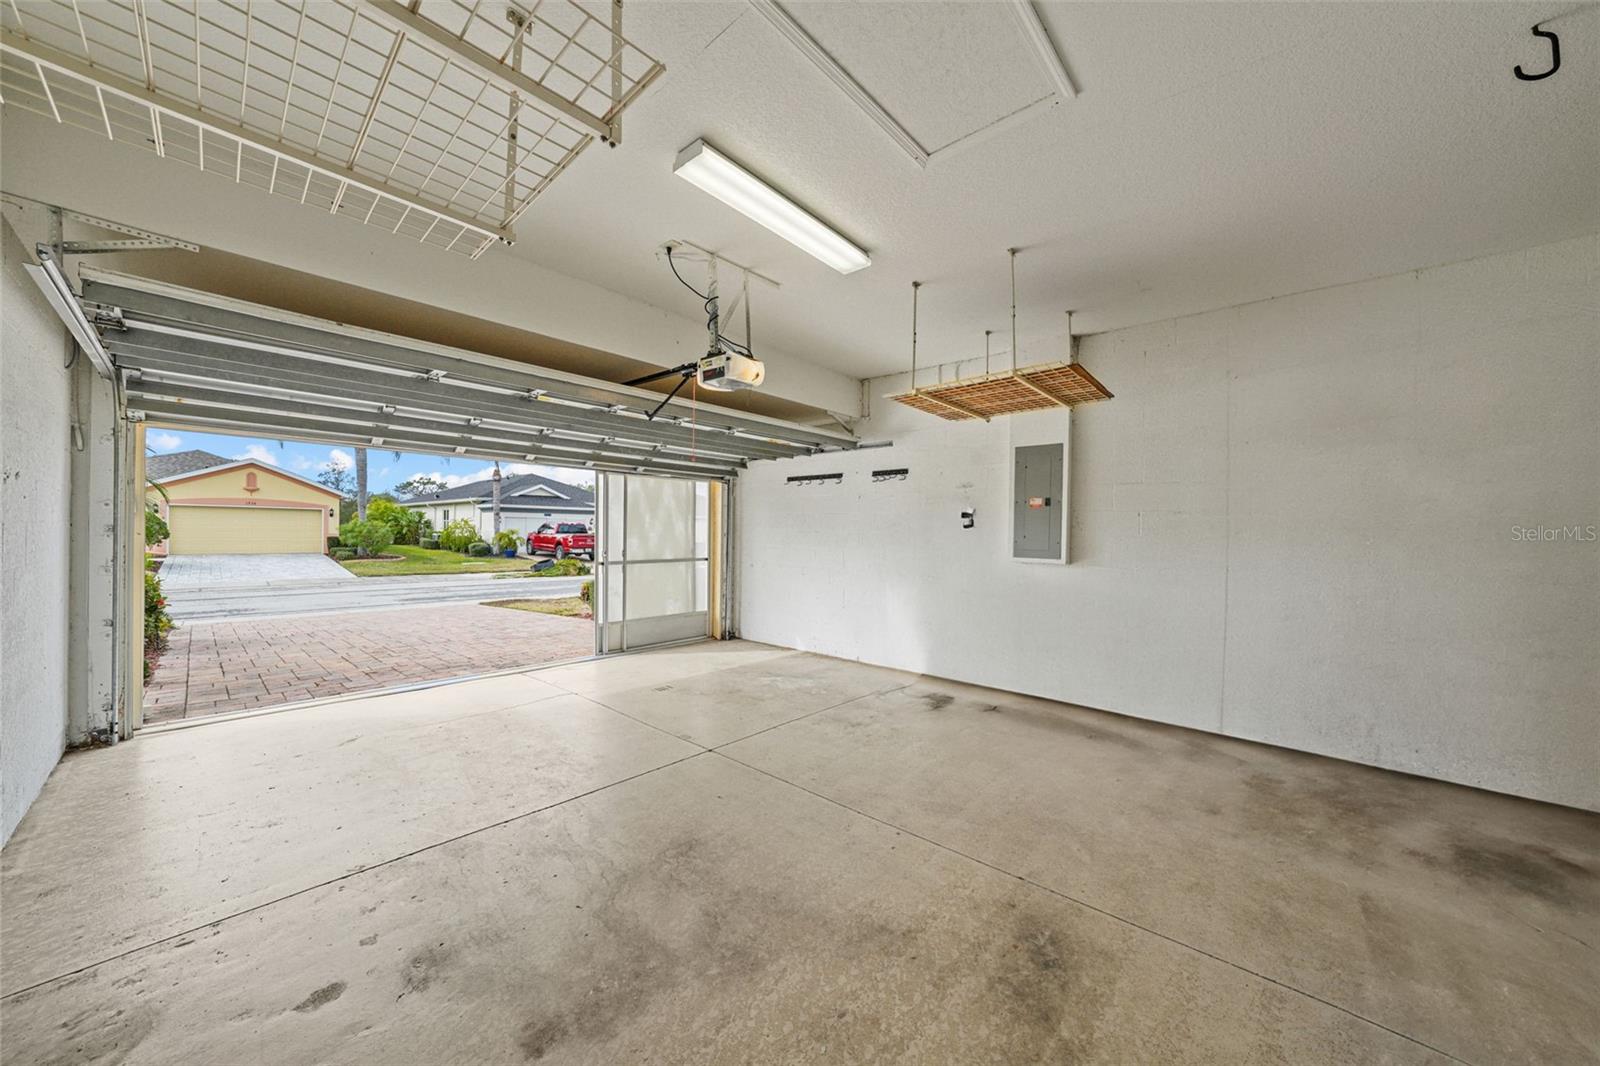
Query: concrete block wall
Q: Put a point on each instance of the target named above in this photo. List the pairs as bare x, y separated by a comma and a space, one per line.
35, 457
1358, 521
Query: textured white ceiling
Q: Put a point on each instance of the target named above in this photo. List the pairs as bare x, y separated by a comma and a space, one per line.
1216, 154
952, 68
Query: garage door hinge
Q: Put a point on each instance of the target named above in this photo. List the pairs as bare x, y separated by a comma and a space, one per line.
104, 316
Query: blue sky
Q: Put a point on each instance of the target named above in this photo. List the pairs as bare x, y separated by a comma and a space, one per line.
384, 468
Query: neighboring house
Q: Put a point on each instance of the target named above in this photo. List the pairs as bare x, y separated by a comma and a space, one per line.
527, 501
237, 507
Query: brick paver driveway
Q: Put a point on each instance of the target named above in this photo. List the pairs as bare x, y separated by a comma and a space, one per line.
212, 667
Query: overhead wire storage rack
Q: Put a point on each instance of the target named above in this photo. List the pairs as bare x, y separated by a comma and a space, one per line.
1003, 392
439, 120
1008, 392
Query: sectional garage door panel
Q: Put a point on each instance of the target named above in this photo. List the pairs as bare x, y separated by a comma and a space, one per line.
193, 359
245, 530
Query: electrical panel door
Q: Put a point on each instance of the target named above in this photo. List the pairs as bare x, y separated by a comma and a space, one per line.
1037, 506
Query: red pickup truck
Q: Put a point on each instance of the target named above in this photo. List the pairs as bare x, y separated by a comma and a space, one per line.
561, 540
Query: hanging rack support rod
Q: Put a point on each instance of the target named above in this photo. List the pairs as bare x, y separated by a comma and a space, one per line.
915, 285
1012, 252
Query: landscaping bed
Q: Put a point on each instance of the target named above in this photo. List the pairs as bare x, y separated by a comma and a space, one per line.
567, 607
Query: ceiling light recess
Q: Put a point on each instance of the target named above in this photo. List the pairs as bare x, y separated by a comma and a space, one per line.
712, 172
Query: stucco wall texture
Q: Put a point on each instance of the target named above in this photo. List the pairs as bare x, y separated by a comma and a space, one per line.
35, 455
1359, 521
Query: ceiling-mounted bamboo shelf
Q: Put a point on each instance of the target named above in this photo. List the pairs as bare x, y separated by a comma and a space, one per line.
1007, 392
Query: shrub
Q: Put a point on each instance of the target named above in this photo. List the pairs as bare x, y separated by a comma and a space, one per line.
586, 594
333, 542
155, 527
479, 548
368, 538
457, 535
405, 525
431, 543
343, 554
571, 566
505, 540
157, 623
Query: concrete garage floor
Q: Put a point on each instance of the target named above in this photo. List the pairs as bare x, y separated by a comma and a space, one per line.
734, 853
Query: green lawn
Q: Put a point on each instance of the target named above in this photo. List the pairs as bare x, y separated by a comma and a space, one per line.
571, 607
431, 561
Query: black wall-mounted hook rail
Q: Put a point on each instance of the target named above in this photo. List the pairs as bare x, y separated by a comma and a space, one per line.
1555, 57
815, 479
897, 474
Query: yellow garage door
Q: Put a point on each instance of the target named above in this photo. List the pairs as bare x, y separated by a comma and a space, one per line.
245, 530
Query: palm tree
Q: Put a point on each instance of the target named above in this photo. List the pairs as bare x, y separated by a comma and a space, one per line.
496, 497
361, 484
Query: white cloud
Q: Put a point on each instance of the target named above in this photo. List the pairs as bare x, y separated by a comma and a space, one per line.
338, 457
162, 441
557, 473
259, 454
300, 462
450, 481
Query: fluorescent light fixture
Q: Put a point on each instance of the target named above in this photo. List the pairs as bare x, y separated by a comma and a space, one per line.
741, 190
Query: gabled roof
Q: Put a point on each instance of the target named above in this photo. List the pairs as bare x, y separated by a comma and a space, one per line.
230, 464
526, 486
161, 467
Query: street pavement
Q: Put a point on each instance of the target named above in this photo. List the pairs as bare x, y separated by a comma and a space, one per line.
198, 603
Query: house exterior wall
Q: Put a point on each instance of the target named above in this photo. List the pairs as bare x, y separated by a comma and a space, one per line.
435, 513
36, 452
520, 522
225, 488
1358, 521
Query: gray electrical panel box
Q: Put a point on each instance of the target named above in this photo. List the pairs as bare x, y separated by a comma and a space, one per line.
1036, 503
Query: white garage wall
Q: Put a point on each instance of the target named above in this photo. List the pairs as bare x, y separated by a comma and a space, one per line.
35, 421
1309, 521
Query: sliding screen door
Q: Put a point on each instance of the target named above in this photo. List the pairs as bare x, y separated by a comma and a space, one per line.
654, 561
